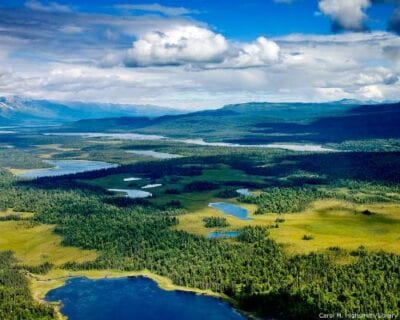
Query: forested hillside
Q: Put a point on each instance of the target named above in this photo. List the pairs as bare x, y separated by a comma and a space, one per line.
257, 123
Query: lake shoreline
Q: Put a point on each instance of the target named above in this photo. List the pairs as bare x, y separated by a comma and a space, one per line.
42, 284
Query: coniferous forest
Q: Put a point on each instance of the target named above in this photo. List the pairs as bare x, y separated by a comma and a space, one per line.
254, 269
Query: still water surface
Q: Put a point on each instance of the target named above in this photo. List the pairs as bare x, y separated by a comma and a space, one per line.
231, 209
136, 298
62, 167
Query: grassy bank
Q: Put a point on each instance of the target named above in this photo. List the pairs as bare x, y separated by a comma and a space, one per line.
35, 244
330, 223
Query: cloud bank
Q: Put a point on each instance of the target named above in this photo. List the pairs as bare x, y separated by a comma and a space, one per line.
174, 60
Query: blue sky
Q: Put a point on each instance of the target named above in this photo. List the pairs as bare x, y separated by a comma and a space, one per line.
241, 19
200, 54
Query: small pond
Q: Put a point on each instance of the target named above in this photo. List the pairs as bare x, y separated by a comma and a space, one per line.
231, 209
222, 234
244, 192
133, 194
151, 186
132, 179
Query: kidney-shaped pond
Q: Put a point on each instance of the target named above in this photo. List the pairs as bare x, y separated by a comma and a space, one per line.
135, 298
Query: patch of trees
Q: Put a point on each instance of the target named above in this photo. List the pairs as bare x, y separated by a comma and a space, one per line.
215, 222
227, 193
16, 302
172, 191
199, 186
252, 234
38, 269
11, 217
283, 200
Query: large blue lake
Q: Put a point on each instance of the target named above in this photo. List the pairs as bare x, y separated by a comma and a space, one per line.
62, 167
136, 298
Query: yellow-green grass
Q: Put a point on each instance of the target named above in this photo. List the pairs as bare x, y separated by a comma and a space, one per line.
331, 223
193, 222
36, 244
16, 171
335, 223
7, 212
50, 150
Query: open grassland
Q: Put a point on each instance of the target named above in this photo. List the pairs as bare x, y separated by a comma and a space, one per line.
334, 223
330, 223
36, 244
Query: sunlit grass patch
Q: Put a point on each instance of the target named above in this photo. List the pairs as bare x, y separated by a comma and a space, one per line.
327, 223
35, 244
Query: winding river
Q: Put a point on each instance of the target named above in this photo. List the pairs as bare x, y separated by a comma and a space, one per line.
200, 142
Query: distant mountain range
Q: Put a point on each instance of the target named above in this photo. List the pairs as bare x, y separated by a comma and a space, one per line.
20, 111
250, 123
258, 123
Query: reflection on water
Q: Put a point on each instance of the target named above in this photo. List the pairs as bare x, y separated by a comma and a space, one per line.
132, 179
244, 192
199, 141
151, 186
135, 298
154, 154
133, 194
63, 167
222, 234
231, 209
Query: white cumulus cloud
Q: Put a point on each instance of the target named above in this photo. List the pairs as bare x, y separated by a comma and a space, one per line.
177, 46
258, 53
200, 47
346, 14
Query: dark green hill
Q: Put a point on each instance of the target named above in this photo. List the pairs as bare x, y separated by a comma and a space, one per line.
229, 122
255, 123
